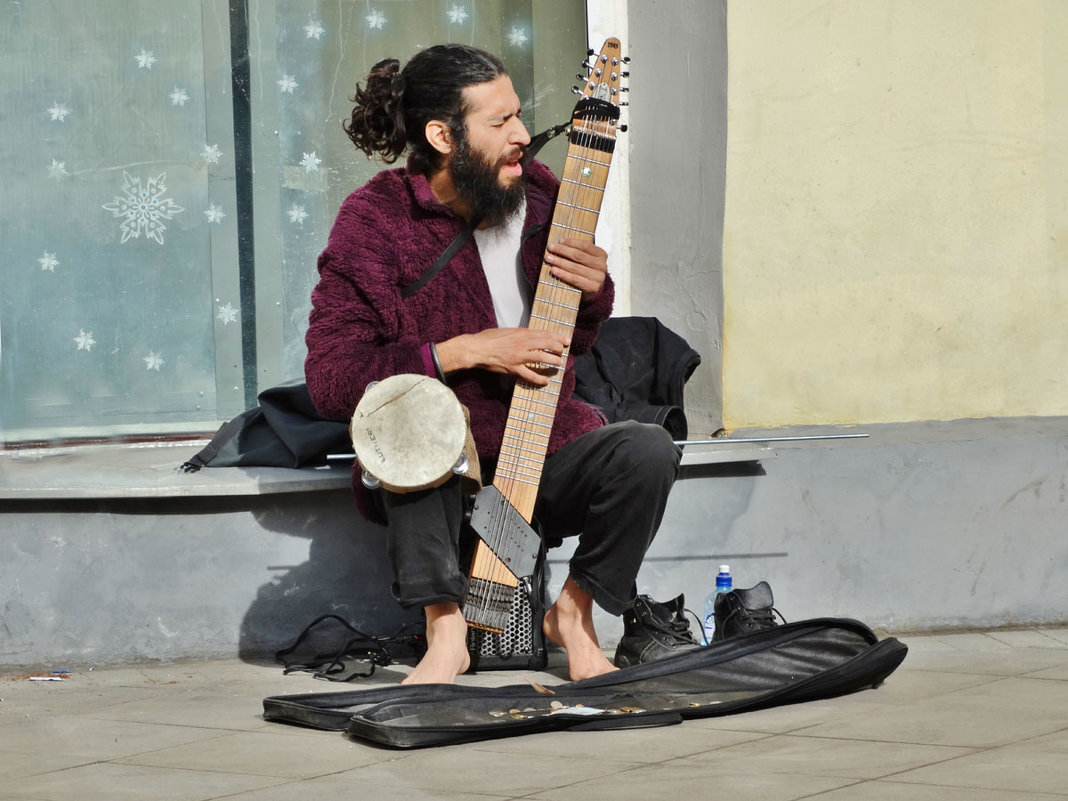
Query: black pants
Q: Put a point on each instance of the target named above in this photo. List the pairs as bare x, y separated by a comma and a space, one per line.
609, 488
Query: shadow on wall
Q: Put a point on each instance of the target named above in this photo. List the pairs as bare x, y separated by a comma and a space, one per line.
347, 574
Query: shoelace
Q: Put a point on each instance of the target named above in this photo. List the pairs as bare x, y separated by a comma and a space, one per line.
672, 626
680, 630
756, 619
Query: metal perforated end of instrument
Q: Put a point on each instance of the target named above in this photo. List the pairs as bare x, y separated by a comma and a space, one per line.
488, 604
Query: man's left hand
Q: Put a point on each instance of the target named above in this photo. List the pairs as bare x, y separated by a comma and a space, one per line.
580, 263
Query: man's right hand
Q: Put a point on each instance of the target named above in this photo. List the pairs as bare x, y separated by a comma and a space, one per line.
530, 355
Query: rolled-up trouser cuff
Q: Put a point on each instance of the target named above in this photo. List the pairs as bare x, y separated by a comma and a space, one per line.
424, 544
609, 602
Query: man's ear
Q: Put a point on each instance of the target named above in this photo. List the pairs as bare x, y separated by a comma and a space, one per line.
439, 137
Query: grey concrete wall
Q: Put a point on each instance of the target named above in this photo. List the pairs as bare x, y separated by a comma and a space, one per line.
917, 527
94, 582
678, 151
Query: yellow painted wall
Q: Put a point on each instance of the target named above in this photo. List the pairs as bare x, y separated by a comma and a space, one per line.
896, 223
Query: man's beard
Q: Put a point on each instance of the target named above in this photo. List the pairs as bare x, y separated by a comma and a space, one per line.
477, 183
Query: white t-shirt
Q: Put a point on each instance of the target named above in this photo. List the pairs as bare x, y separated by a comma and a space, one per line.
498, 247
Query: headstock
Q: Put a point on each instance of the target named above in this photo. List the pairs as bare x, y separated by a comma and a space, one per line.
601, 91
605, 72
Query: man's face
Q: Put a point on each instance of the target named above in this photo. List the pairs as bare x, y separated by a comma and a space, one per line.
485, 164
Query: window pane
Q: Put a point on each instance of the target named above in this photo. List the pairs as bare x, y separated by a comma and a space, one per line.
113, 196
122, 253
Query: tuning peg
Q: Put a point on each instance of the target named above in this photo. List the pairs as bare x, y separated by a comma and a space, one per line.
625, 74
591, 52
626, 59
575, 90
622, 129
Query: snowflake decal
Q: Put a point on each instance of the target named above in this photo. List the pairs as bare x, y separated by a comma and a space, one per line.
84, 340
214, 213
376, 20
143, 208
457, 15
211, 154
314, 29
153, 361
59, 112
517, 37
287, 83
57, 170
48, 262
145, 59
297, 214
227, 313
178, 96
310, 162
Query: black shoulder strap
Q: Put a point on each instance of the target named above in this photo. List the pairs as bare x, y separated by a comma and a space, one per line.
535, 145
442, 260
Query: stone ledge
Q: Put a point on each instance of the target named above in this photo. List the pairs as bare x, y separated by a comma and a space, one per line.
146, 471
152, 470
124, 470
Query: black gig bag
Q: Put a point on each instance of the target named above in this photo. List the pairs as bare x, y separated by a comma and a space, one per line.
802, 661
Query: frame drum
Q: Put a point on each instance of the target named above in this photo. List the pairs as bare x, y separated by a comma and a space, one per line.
409, 433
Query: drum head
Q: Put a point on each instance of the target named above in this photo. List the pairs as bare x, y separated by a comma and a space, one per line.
408, 431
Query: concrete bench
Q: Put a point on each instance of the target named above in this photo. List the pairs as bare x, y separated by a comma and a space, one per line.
110, 554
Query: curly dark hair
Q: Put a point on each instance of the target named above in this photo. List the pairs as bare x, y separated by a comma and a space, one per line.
394, 105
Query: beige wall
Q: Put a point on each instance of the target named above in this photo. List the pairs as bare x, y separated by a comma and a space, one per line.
895, 243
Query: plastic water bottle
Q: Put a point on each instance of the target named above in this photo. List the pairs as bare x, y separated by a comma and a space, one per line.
723, 584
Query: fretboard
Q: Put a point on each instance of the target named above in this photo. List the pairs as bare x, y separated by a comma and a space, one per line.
555, 308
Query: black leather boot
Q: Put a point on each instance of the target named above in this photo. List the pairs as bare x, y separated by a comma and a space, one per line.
744, 611
653, 630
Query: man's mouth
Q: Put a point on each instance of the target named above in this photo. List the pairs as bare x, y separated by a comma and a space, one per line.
512, 164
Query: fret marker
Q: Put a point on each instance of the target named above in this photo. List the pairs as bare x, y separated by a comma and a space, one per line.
586, 172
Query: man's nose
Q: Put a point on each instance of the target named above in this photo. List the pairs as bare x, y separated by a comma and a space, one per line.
519, 135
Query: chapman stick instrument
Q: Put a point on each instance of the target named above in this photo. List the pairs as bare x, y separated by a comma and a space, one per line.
507, 550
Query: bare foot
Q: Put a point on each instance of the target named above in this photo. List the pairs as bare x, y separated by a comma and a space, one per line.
569, 624
446, 655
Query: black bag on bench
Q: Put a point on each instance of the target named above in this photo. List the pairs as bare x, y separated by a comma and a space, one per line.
283, 430
802, 661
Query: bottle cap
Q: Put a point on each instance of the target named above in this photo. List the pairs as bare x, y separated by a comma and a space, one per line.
724, 568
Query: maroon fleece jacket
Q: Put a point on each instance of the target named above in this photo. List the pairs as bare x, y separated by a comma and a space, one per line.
386, 235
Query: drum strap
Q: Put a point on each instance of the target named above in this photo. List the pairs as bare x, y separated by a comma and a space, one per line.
461, 238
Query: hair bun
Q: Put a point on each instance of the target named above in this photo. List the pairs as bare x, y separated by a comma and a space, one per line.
377, 121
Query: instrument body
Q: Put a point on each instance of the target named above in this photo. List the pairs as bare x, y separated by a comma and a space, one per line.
555, 308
